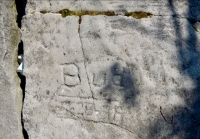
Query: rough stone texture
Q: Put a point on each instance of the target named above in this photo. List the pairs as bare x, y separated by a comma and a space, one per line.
10, 91
111, 76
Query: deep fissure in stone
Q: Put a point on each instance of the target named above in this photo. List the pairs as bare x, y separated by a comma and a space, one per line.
67, 12
20, 6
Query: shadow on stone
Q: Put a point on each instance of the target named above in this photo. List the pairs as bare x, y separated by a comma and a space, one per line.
186, 123
121, 85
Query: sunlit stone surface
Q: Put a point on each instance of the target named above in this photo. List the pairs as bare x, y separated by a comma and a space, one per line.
10, 91
111, 76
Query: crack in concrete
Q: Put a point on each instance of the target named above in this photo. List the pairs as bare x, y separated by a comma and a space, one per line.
84, 59
67, 12
134, 14
101, 122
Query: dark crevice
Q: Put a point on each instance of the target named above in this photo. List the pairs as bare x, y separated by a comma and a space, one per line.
21, 5
23, 85
66, 12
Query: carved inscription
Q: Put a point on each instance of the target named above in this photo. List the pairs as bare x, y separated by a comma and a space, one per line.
67, 103
82, 108
116, 115
71, 75
101, 79
85, 108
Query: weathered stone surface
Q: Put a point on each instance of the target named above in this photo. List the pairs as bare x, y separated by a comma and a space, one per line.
49, 83
10, 91
182, 8
111, 76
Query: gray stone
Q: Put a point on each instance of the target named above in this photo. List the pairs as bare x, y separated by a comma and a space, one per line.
111, 76
125, 77
10, 91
